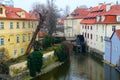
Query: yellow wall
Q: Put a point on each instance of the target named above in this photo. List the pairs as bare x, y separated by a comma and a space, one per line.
3, 14
10, 36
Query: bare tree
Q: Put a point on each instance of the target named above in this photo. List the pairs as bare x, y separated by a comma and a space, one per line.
66, 11
51, 16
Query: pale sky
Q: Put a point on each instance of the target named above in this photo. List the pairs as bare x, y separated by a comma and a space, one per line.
27, 4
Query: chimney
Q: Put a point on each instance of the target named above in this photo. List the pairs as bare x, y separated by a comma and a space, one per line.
116, 2
100, 3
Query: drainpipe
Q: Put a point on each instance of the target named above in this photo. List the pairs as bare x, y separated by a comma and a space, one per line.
106, 30
110, 51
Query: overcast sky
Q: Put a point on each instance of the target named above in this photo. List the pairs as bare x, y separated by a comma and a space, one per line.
26, 4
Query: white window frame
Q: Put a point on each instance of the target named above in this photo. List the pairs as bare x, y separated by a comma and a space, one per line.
17, 25
22, 50
1, 25
11, 25
15, 52
1, 41
18, 39
23, 38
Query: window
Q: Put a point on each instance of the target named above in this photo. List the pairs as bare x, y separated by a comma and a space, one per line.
1, 41
97, 27
96, 37
85, 34
28, 37
23, 38
32, 24
118, 18
11, 25
102, 18
91, 36
116, 48
91, 27
1, 11
83, 26
18, 39
1, 25
23, 24
88, 27
101, 38
103, 28
15, 52
28, 24
17, 24
22, 50
88, 35
113, 28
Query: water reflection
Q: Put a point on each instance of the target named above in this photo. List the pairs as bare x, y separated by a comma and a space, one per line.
81, 68
111, 73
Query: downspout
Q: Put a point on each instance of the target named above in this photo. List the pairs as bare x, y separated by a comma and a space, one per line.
110, 51
106, 30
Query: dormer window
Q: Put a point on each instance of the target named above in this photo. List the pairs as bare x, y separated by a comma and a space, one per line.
1, 11
118, 18
98, 19
102, 18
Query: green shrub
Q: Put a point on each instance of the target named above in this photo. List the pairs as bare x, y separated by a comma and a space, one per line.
4, 68
61, 53
35, 62
58, 39
48, 41
37, 46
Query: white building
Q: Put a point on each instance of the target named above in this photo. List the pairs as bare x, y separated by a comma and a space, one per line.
99, 24
72, 22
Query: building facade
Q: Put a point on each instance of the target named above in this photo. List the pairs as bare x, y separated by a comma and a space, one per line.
72, 22
16, 30
59, 28
99, 24
112, 48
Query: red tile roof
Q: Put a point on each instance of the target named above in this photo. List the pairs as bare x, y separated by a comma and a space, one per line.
42, 33
109, 19
110, 16
11, 13
115, 10
88, 21
94, 12
60, 21
79, 13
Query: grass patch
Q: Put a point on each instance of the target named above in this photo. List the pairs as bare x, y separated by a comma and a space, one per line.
26, 78
51, 60
16, 60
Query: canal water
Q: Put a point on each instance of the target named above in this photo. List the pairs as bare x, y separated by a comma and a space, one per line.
82, 67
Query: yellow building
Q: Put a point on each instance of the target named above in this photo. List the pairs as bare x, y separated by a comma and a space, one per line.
16, 30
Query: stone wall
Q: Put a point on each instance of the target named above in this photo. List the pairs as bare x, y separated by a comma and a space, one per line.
17, 69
